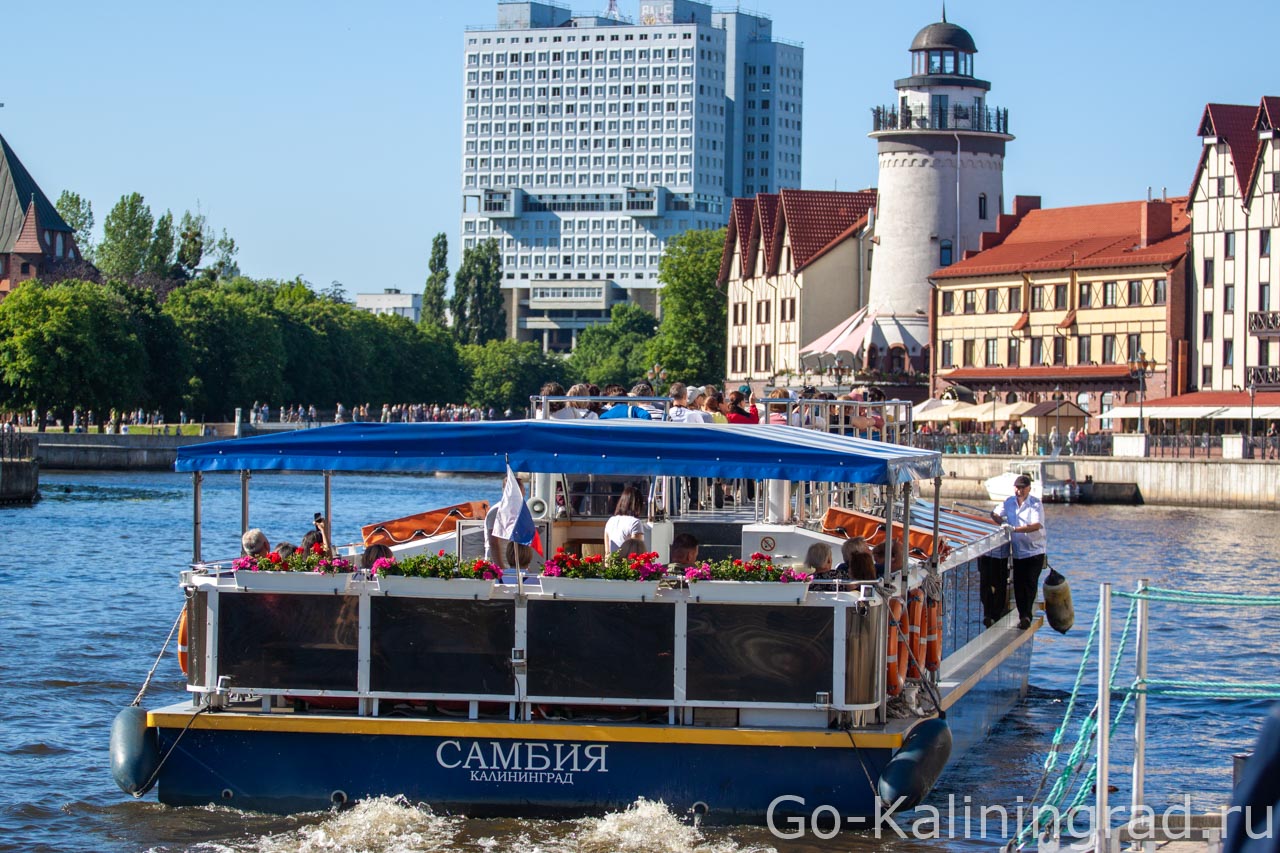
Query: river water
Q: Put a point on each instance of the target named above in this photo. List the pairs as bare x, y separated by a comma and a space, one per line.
88, 593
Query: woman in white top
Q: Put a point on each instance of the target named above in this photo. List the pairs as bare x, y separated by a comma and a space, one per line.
625, 526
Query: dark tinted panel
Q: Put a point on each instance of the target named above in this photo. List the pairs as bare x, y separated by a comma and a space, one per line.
601, 648
425, 645
277, 641
751, 653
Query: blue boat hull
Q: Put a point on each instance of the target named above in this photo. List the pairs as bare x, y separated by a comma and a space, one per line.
552, 770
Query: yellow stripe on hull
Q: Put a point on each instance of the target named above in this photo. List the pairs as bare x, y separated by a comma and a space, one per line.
314, 724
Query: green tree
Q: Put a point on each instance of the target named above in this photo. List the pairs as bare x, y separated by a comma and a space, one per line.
193, 236
433, 302
69, 344
504, 373
78, 213
478, 315
692, 337
224, 264
237, 355
616, 351
165, 363
162, 251
126, 237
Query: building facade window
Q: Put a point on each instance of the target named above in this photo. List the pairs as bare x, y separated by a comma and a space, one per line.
993, 353
1134, 344
1037, 299
948, 354
1086, 293
1206, 326
948, 302
1108, 349
763, 312
970, 301
1228, 354
968, 348
739, 313
1059, 351
1135, 293
1264, 243
1229, 298
1109, 294
739, 359
1229, 244
982, 205
993, 300
1083, 356
1037, 352
1011, 352
1264, 296
1207, 278
1161, 291
1060, 297
944, 254
763, 358
1015, 299
788, 309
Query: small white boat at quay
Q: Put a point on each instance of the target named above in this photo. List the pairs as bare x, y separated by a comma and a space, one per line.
529, 695
1053, 480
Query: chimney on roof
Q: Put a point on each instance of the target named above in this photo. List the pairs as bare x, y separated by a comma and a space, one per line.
1157, 222
1024, 204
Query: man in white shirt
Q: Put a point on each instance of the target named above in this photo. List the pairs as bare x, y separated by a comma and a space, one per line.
1023, 514
680, 412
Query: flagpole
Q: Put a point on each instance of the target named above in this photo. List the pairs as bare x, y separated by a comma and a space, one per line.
515, 546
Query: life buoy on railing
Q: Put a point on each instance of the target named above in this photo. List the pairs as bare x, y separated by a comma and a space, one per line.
933, 636
915, 632
895, 649
183, 637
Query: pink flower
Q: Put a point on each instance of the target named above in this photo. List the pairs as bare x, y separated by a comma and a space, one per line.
488, 575
551, 570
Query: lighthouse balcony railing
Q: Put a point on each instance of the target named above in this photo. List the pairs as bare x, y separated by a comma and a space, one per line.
1264, 324
956, 117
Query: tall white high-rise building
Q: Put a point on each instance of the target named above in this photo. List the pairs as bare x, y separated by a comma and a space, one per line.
591, 140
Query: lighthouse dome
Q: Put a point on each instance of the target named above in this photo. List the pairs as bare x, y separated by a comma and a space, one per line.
944, 36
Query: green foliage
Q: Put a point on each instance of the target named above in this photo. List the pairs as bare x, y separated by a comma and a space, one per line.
224, 264
433, 295
78, 213
505, 373
237, 354
478, 315
615, 351
126, 238
165, 364
193, 235
692, 338
69, 344
162, 251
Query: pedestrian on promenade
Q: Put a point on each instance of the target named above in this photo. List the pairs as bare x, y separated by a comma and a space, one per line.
1023, 514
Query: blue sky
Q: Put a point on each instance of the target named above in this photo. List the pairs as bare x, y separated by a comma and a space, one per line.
325, 136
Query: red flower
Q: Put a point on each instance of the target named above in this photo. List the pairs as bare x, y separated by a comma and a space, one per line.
274, 557
317, 548
440, 553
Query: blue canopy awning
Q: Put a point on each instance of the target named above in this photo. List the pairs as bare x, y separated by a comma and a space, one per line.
628, 447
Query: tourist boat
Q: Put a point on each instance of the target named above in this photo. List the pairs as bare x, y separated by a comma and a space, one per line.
735, 702
1053, 480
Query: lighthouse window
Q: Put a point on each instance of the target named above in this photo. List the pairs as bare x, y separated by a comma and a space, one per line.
935, 62
982, 205
944, 254
948, 62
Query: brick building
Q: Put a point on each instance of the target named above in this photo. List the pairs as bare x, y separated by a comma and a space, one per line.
33, 237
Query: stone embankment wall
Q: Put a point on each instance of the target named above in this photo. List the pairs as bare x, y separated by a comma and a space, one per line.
1231, 483
89, 451
19, 481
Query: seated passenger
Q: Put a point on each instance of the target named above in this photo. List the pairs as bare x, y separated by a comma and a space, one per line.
852, 567
284, 549
625, 525
817, 560
254, 543
374, 553
877, 555
684, 551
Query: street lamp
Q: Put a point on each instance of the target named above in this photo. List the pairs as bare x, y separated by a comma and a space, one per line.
1139, 369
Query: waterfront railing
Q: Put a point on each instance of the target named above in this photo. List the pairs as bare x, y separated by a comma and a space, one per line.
15, 446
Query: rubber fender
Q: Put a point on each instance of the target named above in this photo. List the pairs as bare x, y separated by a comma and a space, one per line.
135, 751
915, 768
1058, 609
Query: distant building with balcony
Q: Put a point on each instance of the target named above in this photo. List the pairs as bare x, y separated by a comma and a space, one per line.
1064, 301
1235, 219
589, 141
793, 262
34, 238
391, 301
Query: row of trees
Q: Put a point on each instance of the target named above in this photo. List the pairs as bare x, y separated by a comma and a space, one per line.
217, 341
138, 247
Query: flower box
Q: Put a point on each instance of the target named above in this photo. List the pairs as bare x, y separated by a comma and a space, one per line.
599, 589
748, 592
307, 582
435, 587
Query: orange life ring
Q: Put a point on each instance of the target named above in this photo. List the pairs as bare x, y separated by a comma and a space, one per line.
915, 632
183, 638
895, 649
933, 637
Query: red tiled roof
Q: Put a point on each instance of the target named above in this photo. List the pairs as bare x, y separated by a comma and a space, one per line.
837, 240
1047, 374
28, 242
767, 221
737, 235
1233, 124
1087, 237
1218, 398
1268, 117
813, 218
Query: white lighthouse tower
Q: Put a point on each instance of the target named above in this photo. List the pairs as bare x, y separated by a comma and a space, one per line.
941, 184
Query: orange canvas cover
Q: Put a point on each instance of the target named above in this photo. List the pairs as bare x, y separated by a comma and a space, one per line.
422, 525
871, 528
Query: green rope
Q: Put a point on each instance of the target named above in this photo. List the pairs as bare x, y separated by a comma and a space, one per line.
1182, 596
1213, 685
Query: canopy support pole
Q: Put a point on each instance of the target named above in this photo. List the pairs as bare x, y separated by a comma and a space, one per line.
328, 509
245, 476
197, 479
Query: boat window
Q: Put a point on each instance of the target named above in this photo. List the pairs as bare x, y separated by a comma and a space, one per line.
275, 641
601, 649
435, 645
760, 654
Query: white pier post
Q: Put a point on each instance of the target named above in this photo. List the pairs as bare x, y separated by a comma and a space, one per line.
1140, 707
1103, 824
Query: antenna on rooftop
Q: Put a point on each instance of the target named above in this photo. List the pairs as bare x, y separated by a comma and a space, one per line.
944, 11
613, 9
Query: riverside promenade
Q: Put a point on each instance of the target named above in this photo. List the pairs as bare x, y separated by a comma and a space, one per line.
1199, 482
